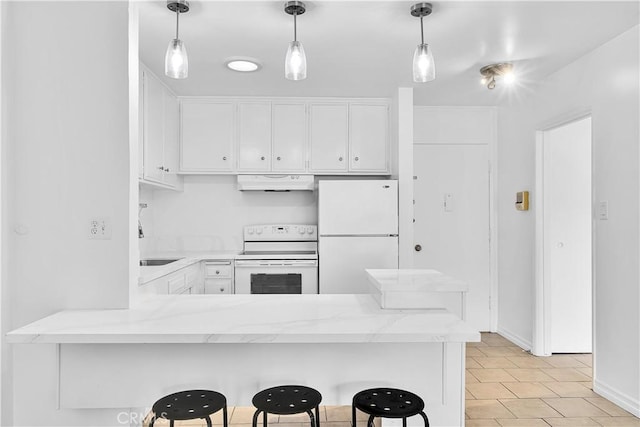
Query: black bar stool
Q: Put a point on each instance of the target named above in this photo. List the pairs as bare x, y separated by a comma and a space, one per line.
189, 405
287, 400
388, 403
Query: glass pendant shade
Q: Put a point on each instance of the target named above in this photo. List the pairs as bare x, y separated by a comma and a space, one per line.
295, 64
424, 69
176, 63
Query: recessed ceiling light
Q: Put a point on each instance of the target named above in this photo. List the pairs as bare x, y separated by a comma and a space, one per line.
243, 65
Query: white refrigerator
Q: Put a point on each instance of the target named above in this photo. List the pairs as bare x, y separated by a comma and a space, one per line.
357, 229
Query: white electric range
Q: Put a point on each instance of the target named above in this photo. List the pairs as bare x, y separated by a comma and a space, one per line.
278, 259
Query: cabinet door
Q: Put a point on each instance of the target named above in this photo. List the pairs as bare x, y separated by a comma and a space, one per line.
153, 128
329, 135
171, 138
369, 136
207, 136
254, 136
176, 282
289, 152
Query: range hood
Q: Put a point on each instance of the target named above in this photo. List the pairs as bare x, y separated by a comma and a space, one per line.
275, 182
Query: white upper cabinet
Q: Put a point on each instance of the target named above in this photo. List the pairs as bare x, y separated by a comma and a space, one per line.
159, 133
254, 136
329, 137
280, 135
368, 137
171, 140
207, 136
289, 146
153, 131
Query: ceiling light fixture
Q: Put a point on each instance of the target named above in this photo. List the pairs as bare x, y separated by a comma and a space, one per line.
295, 63
176, 63
502, 69
243, 64
424, 69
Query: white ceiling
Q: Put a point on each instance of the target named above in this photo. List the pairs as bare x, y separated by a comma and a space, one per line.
365, 49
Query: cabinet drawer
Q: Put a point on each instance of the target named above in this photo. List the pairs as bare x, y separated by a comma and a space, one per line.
217, 270
218, 286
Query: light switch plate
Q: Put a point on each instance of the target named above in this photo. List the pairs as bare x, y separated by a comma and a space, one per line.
603, 210
448, 202
99, 228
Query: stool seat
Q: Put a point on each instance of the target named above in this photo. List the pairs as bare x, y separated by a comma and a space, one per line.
388, 403
189, 405
287, 400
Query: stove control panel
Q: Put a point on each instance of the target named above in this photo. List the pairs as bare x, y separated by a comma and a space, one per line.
280, 232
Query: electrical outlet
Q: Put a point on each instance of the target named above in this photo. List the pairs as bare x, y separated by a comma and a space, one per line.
100, 228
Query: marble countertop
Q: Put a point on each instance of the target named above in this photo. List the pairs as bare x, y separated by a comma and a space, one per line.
414, 280
248, 319
149, 273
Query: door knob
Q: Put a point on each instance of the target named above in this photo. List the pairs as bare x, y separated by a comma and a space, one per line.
560, 244
418, 248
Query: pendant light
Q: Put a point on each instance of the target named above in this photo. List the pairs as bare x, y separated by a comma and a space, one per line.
424, 69
176, 63
295, 63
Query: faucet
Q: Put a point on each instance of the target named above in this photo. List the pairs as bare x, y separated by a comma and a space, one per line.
140, 232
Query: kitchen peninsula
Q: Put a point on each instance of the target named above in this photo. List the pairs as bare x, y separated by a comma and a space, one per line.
239, 344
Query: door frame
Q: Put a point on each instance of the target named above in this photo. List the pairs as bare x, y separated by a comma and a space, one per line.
541, 343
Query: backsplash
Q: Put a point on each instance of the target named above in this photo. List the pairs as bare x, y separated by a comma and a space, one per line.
210, 213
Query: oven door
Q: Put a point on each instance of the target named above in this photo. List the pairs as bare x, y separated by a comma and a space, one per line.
276, 276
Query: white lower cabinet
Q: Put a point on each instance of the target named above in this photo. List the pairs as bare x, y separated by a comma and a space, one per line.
187, 280
218, 277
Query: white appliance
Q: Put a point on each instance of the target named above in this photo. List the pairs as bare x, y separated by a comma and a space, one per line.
276, 183
358, 229
278, 259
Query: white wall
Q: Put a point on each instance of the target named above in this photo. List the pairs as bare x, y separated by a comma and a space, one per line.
604, 82
210, 213
65, 160
516, 229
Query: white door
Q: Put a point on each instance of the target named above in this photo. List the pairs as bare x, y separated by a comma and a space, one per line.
363, 207
451, 229
329, 137
207, 136
368, 135
342, 261
567, 235
254, 136
289, 152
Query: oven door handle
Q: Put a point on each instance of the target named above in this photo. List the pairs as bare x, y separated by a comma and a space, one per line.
277, 263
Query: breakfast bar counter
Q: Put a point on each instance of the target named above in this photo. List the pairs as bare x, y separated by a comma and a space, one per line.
240, 344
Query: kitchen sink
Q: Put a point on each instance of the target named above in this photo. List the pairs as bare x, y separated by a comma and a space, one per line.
156, 262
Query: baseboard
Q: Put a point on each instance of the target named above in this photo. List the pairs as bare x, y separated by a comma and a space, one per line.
624, 401
514, 338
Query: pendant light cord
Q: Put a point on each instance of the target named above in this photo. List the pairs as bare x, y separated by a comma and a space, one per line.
295, 26
421, 30
177, 22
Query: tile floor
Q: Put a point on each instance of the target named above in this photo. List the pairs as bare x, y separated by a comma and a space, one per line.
506, 386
